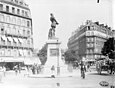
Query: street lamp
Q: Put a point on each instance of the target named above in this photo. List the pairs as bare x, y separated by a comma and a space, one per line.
97, 1
58, 53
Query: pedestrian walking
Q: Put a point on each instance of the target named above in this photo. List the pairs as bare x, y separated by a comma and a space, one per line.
4, 70
0, 74
16, 69
53, 71
26, 71
38, 69
83, 69
88, 67
19, 68
33, 69
111, 66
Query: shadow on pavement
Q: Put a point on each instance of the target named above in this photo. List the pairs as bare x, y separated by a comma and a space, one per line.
102, 74
50, 77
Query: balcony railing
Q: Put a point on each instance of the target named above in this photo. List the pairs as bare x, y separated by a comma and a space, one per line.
15, 34
9, 44
13, 44
3, 43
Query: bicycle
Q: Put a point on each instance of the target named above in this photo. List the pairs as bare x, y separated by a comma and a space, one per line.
83, 74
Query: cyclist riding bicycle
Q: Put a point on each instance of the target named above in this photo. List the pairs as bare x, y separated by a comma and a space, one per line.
82, 68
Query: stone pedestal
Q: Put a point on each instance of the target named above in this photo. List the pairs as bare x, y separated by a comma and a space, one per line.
54, 58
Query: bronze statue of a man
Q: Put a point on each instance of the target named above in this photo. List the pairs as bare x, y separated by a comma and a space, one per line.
53, 20
53, 26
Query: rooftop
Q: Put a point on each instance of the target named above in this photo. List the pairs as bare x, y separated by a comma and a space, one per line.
16, 2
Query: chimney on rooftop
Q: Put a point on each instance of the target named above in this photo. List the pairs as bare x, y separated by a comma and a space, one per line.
109, 28
96, 23
102, 25
106, 26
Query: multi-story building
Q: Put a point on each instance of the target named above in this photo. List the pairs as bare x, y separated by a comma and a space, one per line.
114, 33
15, 30
87, 41
114, 38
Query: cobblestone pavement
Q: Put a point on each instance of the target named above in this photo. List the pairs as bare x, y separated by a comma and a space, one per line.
92, 80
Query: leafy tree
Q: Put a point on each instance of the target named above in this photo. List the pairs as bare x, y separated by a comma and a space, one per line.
70, 56
43, 54
109, 48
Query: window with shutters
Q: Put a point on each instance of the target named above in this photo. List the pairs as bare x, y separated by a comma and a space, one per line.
7, 8
18, 11
13, 10
1, 7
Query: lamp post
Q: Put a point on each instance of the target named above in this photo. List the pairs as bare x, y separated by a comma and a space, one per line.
114, 41
97, 1
113, 5
114, 47
58, 53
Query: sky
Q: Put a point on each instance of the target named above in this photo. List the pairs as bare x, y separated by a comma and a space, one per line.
70, 14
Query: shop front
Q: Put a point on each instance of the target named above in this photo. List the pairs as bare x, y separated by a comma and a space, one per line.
10, 62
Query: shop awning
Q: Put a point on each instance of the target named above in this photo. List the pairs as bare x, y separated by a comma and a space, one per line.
10, 39
11, 59
4, 38
16, 40
20, 40
90, 60
36, 60
28, 62
31, 61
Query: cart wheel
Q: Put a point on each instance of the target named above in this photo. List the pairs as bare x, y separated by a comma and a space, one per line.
109, 71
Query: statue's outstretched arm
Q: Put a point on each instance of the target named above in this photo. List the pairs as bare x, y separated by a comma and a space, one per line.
55, 21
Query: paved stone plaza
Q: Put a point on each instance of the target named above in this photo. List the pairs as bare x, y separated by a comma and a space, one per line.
92, 80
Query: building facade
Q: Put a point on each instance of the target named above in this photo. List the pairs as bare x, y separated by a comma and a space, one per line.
15, 29
87, 41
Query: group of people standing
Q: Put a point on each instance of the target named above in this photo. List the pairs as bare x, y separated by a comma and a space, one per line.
2, 72
34, 69
84, 67
17, 69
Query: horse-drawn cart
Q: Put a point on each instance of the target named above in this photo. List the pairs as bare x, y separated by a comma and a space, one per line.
103, 64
